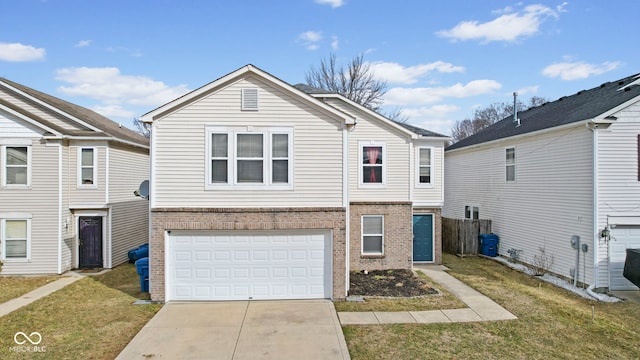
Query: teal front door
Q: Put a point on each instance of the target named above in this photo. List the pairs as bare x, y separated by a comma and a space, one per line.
422, 237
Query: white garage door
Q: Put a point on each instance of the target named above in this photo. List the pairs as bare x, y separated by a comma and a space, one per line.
623, 238
238, 265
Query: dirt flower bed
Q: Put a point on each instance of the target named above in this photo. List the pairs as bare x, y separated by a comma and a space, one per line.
389, 283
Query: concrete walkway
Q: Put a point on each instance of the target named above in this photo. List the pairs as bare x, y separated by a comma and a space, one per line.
28, 298
481, 308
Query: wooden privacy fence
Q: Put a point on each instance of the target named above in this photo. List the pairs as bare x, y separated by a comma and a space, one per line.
460, 236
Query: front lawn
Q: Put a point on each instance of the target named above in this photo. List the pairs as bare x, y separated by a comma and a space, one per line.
16, 286
88, 319
552, 324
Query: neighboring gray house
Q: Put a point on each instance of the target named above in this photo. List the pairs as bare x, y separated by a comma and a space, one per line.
66, 185
263, 190
568, 167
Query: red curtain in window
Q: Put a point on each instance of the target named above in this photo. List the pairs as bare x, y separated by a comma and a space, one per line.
372, 154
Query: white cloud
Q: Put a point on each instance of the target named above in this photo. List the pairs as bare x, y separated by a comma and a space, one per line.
333, 3
335, 44
527, 90
16, 52
398, 74
578, 70
426, 95
83, 43
436, 111
510, 26
113, 111
114, 89
310, 39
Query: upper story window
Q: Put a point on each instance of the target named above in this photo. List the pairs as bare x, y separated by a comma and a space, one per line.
15, 238
261, 157
510, 161
87, 169
17, 166
425, 166
372, 163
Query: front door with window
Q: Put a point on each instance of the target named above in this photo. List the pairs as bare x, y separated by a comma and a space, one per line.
90, 241
423, 237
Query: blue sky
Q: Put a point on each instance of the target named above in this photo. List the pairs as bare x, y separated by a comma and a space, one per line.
441, 59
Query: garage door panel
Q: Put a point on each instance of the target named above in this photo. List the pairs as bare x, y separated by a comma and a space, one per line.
624, 237
249, 266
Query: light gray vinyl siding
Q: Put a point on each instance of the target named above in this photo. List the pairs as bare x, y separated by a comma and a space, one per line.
180, 155
129, 228
13, 127
550, 201
87, 196
41, 201
36, 110
398, 159
128, 167
618, 186
433, 194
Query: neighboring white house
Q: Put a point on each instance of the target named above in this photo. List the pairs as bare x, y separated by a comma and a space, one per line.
66, 185
565, 169
263, 190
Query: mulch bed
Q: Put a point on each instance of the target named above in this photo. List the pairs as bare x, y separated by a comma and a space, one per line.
389, 283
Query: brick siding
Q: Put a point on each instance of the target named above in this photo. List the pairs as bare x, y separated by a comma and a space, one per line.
246, 219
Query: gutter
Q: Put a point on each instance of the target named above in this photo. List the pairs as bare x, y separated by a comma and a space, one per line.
103, 138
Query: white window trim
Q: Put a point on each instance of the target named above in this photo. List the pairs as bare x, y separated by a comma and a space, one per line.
232, 158
362, 235
515, 162
4, 242
418, 183
4, 167
361, 146
95, 168
471, 212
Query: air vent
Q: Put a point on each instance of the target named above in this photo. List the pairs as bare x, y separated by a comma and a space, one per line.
250, 99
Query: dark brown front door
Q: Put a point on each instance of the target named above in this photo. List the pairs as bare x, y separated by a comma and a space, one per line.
90, 236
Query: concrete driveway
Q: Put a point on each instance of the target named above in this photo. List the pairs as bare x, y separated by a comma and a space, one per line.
296, 329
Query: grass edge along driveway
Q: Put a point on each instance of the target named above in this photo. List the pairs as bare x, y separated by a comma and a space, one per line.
552, 324
85, 320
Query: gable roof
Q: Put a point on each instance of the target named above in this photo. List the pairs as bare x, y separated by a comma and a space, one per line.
247, 69
317, 92
584, 105
90, 123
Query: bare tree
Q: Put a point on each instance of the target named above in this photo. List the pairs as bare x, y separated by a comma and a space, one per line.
355, 81
396, 115
142, 128
489, 115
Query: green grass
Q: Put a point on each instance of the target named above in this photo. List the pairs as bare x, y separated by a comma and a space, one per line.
16, 286
123, 278
89, 319
444, 300
552, 324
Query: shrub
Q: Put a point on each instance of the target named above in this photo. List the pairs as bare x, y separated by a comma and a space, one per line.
542, 263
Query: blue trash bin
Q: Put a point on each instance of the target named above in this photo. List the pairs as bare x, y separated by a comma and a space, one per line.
142, 267
489, 244
138, 253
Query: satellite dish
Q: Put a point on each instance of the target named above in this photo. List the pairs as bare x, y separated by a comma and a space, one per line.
143, 190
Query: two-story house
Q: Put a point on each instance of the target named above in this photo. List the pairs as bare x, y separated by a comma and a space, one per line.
67, 176
264, 190
564, 177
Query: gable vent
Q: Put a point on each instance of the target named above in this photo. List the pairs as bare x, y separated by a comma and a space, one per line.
250, 99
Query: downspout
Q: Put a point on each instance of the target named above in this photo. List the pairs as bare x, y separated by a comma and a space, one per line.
59, 208
594, 128
345, 201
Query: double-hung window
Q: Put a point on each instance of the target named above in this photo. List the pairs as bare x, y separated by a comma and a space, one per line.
372, 164
372, 234
425, 166
15, 239
87, 169
257, 157
17, 166
510, 161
